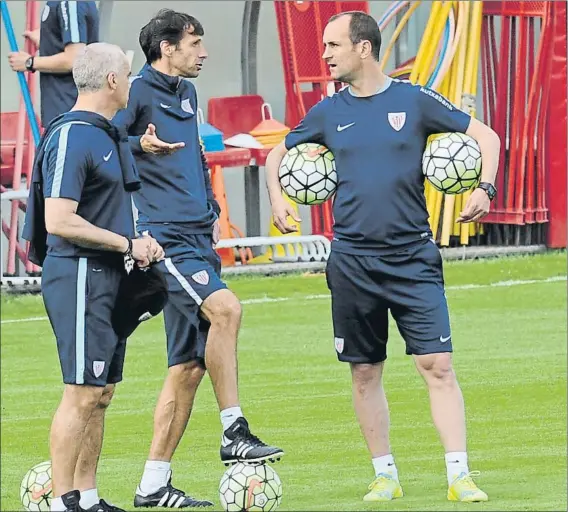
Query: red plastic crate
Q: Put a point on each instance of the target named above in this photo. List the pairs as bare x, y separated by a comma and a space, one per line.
235, 114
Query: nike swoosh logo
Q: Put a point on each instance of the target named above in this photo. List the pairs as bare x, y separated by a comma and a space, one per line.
36, 495
107, 157
344, 127
312, 153
165, 106
443, 340
254, 483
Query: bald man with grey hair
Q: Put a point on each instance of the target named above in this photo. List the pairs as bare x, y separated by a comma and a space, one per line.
94, 64
81, 231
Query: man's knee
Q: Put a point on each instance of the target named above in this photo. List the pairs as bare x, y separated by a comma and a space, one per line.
82, 398
436, 368
222, 307
106, 397
365, 376
186, 374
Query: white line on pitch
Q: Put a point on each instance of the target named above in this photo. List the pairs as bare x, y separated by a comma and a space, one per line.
266, 300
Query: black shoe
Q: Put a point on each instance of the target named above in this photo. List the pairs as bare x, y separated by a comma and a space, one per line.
239, 445
168, 497
103, 506
71, 501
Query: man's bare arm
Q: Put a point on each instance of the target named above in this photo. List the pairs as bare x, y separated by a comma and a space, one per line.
61, 219
58, 63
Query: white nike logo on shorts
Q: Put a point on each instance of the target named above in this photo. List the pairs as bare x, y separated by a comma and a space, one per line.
443, 340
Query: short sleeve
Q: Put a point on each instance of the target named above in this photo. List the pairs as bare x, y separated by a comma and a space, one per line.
439, 115
66, 164
73, 20
311, 128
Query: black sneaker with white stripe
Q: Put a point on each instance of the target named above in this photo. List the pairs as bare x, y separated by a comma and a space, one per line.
239, 445
168, 497
103, 506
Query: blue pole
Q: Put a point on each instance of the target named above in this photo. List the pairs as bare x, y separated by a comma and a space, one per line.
21, 78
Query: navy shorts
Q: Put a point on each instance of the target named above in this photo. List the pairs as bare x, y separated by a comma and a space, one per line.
79, 296
193, 272
409, 283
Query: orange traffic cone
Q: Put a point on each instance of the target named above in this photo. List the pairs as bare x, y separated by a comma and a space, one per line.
269, 132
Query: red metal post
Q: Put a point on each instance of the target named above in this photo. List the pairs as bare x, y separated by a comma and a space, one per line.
557, 133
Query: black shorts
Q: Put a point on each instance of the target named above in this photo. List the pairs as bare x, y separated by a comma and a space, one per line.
193, 272
409, 283
79, 296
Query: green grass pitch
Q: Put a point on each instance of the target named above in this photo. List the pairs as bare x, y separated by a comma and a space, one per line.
510, 358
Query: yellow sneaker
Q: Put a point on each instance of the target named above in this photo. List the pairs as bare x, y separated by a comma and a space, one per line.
463, 488
384, 488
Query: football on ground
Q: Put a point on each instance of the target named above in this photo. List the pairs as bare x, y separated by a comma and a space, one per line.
246, 487
35, 489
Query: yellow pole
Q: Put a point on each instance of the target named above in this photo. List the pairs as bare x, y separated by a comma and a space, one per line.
437, 33
435, 203
472, 62
423, 48
397, 32
455, 96
422, 70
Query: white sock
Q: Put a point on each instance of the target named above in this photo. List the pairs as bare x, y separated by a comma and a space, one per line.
456, 464
89, 498
156, 475
57, 505
385, 464
228, 416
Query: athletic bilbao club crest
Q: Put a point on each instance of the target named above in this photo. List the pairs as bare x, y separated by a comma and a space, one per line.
186, 106
201, 277
339, 343
397, 120
98, 368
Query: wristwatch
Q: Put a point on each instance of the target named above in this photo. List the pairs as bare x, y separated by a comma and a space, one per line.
30, 64
489, 189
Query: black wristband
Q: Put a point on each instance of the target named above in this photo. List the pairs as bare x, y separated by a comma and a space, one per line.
128, 251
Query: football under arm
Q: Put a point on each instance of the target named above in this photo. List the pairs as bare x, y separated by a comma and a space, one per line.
61, 219
490, 146
60, 62
272, 166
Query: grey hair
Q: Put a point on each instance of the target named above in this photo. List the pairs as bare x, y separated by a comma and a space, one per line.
93, 65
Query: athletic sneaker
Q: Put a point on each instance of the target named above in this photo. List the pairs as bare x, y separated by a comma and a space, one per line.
384, 488
103, 506
463, 488
239, 445
168, 497
71, 501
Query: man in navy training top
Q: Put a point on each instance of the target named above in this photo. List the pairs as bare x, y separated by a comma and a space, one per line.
89, 223
66, 27
176, 206
383, 255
